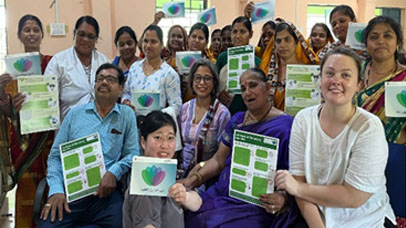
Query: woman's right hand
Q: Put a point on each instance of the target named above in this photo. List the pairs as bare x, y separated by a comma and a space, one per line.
158, 16
248, 9
128, 102
225, 98
4, 80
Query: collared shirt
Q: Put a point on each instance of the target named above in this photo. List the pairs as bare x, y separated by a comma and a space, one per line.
75, 87
119, 146
165, 79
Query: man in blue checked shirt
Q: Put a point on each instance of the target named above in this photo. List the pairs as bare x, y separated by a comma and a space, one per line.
117, 127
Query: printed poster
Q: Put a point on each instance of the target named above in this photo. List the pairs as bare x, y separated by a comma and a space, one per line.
174, 9
253, 166
302, 87
23, 64
152, 176
186, 59
354, 35
40, 110
208, 16
395, 99
83, 166
145, 101
240, 59
263, 11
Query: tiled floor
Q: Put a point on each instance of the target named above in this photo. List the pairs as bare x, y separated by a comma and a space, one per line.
7, 211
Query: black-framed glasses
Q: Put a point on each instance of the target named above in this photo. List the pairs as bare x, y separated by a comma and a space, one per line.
89, 36
109, 79
199, 78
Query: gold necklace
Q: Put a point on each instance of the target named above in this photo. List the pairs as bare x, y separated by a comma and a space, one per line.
147, 71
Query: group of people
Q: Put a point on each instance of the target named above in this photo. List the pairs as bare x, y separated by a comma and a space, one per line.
340, 163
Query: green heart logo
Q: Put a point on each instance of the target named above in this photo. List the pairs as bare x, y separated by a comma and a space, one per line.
401, 97
358, 35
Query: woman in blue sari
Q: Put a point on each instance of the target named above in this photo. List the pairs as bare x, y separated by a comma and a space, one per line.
219, 209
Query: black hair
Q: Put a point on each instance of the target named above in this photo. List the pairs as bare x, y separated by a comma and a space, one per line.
214, 72
90, 20
153, 121
120, 74
270, 23
285, 26
202, 27
325, 28
245, 21
28, 17
122, 30
215, 31
226, 28
341, 50
384, 20
257, 72
344, 9
158, 31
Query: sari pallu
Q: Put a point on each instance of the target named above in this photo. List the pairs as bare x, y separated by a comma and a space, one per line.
270, 65
372, 99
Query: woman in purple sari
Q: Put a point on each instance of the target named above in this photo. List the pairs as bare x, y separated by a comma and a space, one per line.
218, 208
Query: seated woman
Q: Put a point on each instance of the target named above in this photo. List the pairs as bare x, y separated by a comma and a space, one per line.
338, 154
158, 140
203, 119
383, 38
126, 42
320, 36
218, 208
287, 47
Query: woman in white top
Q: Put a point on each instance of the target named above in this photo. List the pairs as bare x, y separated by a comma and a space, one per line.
153, 73
75, 67
338, 154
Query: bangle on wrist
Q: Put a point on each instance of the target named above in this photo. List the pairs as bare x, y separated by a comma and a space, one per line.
199, 177
5, 101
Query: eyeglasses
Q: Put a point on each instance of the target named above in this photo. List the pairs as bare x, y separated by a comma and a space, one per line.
206, 79
109, 79
88, 35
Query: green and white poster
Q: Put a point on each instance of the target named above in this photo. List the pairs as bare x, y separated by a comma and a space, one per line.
83, 166
395, 99
40, 110
240, 59
302, 87
354, 35
253, 166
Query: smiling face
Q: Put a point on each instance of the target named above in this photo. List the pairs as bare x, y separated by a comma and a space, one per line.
151, 45
240, 35
203, 82
126, 46
31, 35
254, 92
107, 87
339, 23
285, 44
85, 39
176, 39
318, 38
160, 143
197, 40
382, 42
339, 81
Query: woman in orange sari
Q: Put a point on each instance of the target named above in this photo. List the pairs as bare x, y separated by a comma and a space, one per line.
29, 152
288, 46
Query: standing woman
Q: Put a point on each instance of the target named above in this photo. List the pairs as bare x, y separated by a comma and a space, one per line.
177, 41
153, 73
338, 154
215, 43
320, 36
287, 47
75, 67
29, 152
126, 42
383, 38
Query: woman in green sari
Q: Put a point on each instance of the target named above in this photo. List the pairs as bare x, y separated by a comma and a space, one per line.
383, 39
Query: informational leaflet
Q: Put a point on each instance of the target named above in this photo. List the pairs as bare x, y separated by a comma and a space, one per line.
263, 11
174, 9
145, 101
40, 110
240, 59
208, 16
152, 176
354, 35
186, 59
23, 64
302, 87
395, 99
253, 166
83, 166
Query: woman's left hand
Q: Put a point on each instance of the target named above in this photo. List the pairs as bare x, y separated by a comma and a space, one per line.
285, 181
273, 202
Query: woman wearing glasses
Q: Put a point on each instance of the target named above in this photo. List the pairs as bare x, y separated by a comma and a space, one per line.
202, 119
76, 66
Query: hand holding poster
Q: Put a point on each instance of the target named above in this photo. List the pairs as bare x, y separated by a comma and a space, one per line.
152, 176
208, 16
174, 9
263, 11
23, 64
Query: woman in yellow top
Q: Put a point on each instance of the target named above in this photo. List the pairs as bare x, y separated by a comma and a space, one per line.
287, 47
